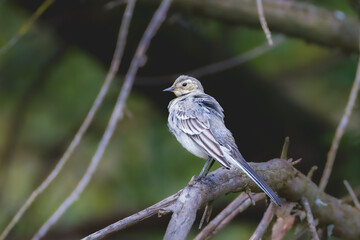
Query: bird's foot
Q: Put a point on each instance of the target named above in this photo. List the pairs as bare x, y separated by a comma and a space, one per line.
200, 177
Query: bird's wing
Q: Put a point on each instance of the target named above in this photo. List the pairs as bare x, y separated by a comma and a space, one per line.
196, 124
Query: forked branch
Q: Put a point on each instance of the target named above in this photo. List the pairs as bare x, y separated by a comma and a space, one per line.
281, 176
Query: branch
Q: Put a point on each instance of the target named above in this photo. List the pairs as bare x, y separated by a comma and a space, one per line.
341, 128
184, 213
348, 198
310, 219
263, 22
162, 208
245, 205
215, 67
25, 28
352, 194
302, 20
115, 63
264, 223
208, 230
282, 177
312, 171
207, 214
117, 114
235, 61
285, 148
327, 209
285, 220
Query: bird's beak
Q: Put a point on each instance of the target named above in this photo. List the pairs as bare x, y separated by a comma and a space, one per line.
169, 89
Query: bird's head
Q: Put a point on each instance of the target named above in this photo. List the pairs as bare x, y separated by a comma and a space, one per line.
184, 85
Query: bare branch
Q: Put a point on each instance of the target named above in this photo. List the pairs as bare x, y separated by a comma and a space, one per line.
293, 18
263, 22
264, 223
117, 114
341, 128
163, 207
324, 207
115, 63
221, 216
310, 218
25, 28
237, 206
245, 205
284, 151
184, 214
348, 198
282, 177
232, 62
215, 67
352, 194
207, 213
284, 222
296, 161
312, 171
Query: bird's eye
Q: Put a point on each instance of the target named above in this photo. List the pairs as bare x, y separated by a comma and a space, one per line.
184, 84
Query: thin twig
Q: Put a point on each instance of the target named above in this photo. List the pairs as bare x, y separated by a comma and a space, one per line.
340, 130
296, 161
312, 171
137, 62
222, 215
232, 62
248, 192
25, 28
214, 67
238, 205
263, 22
207, 213
116, 115
264, 223
284, 151
284, 222
115, 63
245, 205
310, 218
352, 194
162, 206
348, 198
301, 19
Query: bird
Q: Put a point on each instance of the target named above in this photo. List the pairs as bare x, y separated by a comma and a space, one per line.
196, 119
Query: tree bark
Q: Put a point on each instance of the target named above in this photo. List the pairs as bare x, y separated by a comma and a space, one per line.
283, 178
278, 173
302, 20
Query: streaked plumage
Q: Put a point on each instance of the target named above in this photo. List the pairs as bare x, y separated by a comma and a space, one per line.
197, 121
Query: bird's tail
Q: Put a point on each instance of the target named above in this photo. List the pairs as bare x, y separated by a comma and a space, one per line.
240, 162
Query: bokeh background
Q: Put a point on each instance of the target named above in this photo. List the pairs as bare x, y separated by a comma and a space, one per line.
50, 77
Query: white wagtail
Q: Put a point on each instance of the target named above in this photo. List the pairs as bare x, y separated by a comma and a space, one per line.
197, 121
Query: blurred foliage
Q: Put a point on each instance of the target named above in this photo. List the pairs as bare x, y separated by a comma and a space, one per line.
143, 163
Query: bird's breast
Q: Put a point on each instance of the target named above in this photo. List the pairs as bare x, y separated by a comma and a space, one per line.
184, 139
